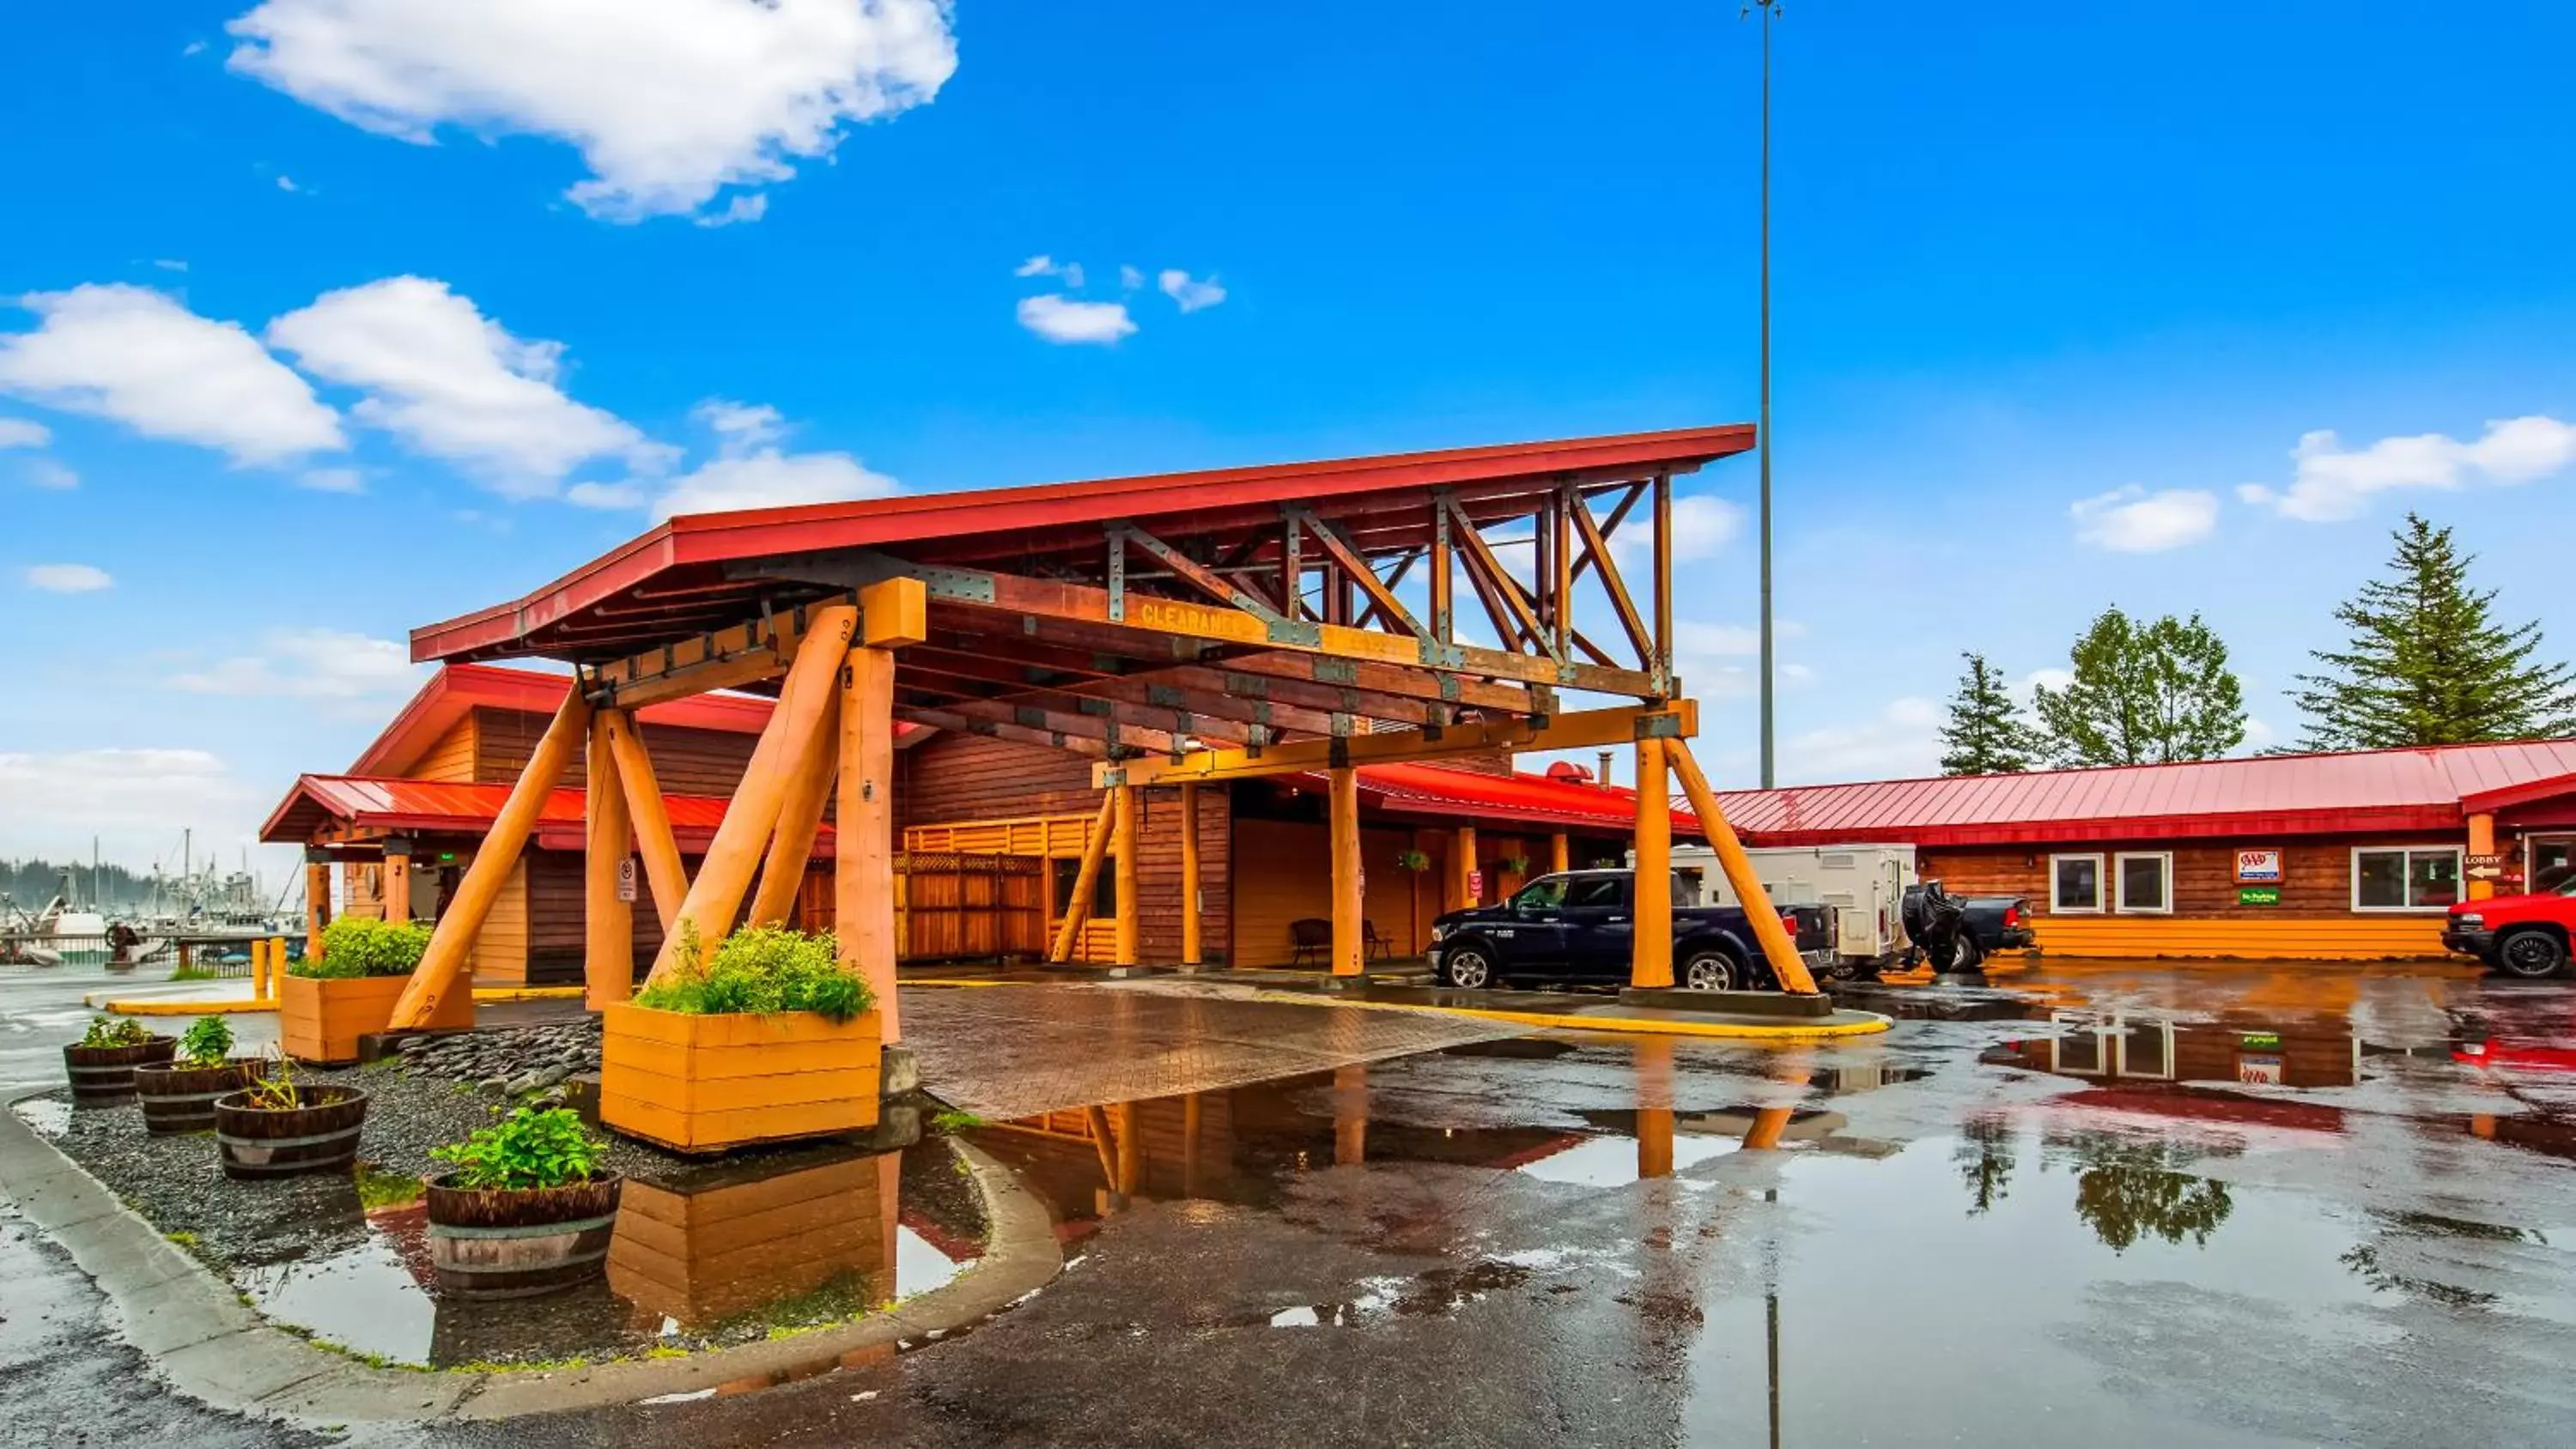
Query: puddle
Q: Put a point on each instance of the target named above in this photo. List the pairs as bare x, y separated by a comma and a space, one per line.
48, 1115
702, 1257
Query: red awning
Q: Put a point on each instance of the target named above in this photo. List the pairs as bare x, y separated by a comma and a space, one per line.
429, 807
1448, 793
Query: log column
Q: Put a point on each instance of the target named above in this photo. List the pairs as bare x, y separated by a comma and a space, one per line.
1462, 868
607, 918
1650, 960
1123, 844
863, 830
2482, 841
1192, 936
317, 899
396, 878
1654, 1106
1560, 853
1349, 947
452, 943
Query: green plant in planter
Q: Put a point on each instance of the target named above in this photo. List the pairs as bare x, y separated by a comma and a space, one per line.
1412, 860
759, 970
355, 946
114, 1031
208, 1042
527, 1149
275, 1089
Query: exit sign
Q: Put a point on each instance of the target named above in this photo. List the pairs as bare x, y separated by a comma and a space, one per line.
2258, 896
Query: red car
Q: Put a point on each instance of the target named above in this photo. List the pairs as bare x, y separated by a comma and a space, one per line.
2523, 936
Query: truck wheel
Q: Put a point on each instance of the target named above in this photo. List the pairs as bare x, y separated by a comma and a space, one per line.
1466, 967
1709, 971
2531, 954
1964, 955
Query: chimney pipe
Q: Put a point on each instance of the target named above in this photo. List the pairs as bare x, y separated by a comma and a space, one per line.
1606, 757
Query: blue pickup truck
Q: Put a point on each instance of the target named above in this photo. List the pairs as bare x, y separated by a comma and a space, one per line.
1576, 926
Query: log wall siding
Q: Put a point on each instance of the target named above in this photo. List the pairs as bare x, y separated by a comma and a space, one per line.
686, 761
450, 758
500, 955
2314, 921
965, 779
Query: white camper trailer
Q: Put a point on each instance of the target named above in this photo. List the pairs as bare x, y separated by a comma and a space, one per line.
1864, 883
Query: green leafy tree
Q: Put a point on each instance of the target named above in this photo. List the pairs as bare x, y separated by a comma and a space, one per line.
2144, 695
1986, 734
2128, 1190
2429, 665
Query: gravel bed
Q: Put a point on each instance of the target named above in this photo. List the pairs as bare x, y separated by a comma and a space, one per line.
515, 1060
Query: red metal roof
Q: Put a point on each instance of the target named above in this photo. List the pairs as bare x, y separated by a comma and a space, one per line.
2373, 790
458, 688
433, 807
670, 582
1447, 792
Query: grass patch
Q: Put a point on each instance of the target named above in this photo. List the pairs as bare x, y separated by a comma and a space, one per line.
194, 972
378, 1188
183, 1238
953, 1122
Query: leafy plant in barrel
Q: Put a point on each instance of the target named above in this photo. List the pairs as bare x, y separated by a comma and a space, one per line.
760, 970
530, 1148
208, 1042
114, 1031
355, 946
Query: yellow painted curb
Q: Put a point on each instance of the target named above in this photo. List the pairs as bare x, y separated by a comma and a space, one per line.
959, 981
529, 993
228, 1006
1648, 1026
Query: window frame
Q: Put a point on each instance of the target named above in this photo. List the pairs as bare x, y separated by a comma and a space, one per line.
2120, 883
2459, 875
2101, 879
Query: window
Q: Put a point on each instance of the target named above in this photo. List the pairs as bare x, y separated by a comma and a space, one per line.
1104, 888
2398, 878
2146, 882
1540, 895
2074, 883
1597, 891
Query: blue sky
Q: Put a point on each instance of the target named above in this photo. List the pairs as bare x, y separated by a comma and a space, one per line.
398, 307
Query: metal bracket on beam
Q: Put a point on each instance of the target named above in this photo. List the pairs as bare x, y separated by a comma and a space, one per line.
1342, 728
1296, 631
1164, 696
1659, 726
1337, 671
1441, 656
1117, 572
1111, 777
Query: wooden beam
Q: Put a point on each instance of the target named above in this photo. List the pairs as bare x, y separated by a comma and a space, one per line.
726, 658
1396, 681
1131, 704
863, 834
1103, 727
1596, 548
800, 819
650, 814
1482, 563
1394, 579
1650, 939
1359, 571
987, 729
442, 967
1777, 948
1663, 580
752, 815
1124, 845
1191, 927
1618, 515
1343, 816
1444, 572
1587, 729
607, 852
1197, 575
1086, 880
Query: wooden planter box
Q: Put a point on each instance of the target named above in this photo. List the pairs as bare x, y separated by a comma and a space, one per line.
320, 1020
704, 1250
709, 1083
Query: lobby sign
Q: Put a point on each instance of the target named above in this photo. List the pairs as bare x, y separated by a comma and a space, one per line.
2259, 866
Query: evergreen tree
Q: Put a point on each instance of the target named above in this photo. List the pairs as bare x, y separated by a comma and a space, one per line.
2144, 696
1986, 734
2427, 665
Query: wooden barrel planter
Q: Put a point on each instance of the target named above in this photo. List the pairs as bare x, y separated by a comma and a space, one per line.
491, 1243
181, 1098
320, 1136
104, 1076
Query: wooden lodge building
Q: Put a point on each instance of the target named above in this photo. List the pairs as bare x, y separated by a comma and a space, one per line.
2319, 857
991, 834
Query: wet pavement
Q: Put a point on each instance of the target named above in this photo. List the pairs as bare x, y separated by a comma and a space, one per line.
2159, 1205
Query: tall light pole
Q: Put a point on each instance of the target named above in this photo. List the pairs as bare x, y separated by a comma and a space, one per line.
1770, 773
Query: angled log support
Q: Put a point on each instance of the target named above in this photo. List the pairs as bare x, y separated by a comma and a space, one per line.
1777, 948
649, 814
451, 945
725, 875
1650, 944
1077, 912
800, 819
607, 921
863, 834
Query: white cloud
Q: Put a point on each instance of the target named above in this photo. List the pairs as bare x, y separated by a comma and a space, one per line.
604, 495
740, 427
741, 208
24, 433
1702, 525
1191, 294
1042, 265
1130, 278
287, 184
134, 355
456, 385
170, 264
668, 101
771, 479
2259, 736
68, 578
2027, 691
332, 480
328, 664
136, 798
1060, 319
1901, 740
51, 476
2132, 520
2332, 482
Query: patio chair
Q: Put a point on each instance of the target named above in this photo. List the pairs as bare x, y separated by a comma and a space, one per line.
1310, 937
1373, 945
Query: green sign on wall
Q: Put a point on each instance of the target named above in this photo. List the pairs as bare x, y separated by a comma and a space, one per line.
2258, 895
